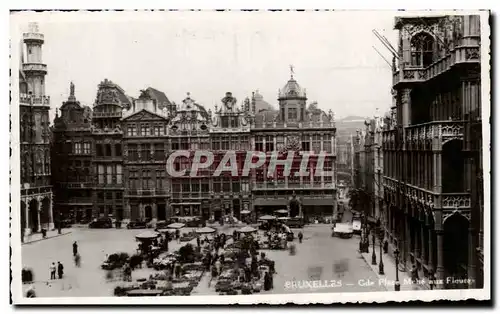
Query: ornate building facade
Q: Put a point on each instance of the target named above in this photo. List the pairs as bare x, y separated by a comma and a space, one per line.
432, 148
34, 137
107, 133
133, 139
72, 160
144, 159
298, 129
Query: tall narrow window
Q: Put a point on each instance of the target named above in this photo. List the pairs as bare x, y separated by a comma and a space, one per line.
119, 174
422, 50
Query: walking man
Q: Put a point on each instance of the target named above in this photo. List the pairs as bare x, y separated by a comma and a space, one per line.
300, 236
60, 270
75, 248
53, 271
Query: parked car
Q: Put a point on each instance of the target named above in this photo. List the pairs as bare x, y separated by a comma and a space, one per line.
101, 223
66, 223
342, 230
295, 222
137, 224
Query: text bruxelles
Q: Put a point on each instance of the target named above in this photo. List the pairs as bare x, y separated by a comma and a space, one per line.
253, 160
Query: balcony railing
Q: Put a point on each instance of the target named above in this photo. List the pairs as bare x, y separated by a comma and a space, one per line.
411, 75
147, 192
107, 114
190, 195
456, 201
95, 130
468, 51
443, 130
293, 125
40, 67
34, 100
290, 185
78, 185
33, 36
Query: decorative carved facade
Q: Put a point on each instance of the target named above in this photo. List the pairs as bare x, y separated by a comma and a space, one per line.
34, 137
432, 152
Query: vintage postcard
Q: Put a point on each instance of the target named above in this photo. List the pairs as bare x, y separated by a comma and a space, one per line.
249, 157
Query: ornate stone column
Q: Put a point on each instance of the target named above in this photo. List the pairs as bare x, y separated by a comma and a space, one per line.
155, 211
430, 263
440, 258
27, 229
51, 215
472, 270
39, 209
422, 245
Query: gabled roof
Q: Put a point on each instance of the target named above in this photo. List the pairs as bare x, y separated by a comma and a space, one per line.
146, 111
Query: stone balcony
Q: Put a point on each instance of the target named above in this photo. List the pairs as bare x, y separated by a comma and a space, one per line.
455, 201
78, 185
34, 67
293, 125
443, 130
467, 52
33, 37
107, 114
26, 99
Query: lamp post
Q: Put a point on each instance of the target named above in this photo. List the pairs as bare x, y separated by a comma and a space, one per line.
374, 256
397, 286
381, 264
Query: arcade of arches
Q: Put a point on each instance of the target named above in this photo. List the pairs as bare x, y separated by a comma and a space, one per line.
36, 214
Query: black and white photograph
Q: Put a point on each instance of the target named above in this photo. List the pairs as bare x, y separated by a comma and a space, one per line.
249, 157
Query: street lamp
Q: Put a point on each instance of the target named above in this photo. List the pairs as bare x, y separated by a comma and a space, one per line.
397, 286
374, 257
381, 264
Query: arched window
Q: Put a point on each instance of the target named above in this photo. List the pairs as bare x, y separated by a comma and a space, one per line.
422, 50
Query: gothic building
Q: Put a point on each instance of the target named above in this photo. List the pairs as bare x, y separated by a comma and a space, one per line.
432, 148
34, 137
72, 160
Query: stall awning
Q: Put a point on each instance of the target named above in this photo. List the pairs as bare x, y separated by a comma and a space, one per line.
318, 202
270, 202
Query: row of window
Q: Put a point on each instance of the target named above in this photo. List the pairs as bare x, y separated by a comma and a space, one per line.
233, 142
146, 130
146, 151
308, 143
109, 174
80, 148
143, 179
106, 150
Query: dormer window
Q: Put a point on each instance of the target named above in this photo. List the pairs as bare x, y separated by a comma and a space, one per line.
422, 50
292, 113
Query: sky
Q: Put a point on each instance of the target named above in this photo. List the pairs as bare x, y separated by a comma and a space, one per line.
210, 53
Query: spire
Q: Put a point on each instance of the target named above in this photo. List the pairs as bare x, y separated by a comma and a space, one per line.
292, 72
71, 92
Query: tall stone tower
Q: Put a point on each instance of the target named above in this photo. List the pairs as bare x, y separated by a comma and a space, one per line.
34, 105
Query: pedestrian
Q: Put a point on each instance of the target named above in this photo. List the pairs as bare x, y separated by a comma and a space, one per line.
300, 235
218, 265
432, 279
30, 293
178, 235
77, 260
75, 248
267, 281
414, 273
177, 271
60, 270
198, 241
53, 271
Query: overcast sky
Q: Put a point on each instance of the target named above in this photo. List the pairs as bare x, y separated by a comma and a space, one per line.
210, 53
